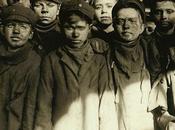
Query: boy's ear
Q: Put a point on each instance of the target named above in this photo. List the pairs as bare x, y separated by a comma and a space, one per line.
31, 35
58, 10
90, 27
142, 28
2, 29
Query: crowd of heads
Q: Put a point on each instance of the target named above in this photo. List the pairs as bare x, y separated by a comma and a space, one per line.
111, 15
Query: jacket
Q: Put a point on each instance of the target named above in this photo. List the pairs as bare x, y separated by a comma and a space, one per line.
69, 94
47, 38
19, 78
159, 98
132, 85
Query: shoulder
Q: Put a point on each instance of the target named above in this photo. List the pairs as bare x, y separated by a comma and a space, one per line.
98, 45
34, 60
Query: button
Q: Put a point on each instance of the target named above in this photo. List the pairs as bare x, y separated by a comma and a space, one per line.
80, 5
161, 81
40, 47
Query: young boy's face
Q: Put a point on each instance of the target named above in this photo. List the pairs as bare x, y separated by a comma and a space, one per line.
163, 12
46, 10
128, 24
103, 10
17, 33
76, 30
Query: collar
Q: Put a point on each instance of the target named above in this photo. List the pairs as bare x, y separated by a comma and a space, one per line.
49, 27
129, 58
17, 57
79, 55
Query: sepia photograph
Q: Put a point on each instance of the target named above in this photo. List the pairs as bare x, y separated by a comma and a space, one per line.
87, 64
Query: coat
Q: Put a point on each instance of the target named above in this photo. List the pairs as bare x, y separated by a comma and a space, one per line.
47, 38
69, 96
19, 78
158, 99
99, 33
132, 85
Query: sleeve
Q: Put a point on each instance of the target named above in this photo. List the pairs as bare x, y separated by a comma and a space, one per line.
44, 99
30, 99
158, 96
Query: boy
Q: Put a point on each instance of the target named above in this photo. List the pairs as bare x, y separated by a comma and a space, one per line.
73, 76
19, 69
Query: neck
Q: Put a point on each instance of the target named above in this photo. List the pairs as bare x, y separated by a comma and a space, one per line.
106, 28
109, 29
46, 27
166, 32
15, 49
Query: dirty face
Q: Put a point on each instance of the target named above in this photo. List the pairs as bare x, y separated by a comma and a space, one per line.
17, 33
103, 10
128, 24
163, 13
76, 30
46, 10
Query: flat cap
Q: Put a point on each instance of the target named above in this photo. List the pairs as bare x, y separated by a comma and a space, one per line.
76, 5
19, 13
136, 4
55, 1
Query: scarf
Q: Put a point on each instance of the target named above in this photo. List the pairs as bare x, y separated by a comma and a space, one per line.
43, 28
128, 57
8, 57
80, 55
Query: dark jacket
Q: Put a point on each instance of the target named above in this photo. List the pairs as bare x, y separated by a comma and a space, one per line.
19, 77
96, 32
47, 38
161, 52
165, 61
70, 93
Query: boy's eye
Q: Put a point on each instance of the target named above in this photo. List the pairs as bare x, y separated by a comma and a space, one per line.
37, 4
50, 4
170, 11
10, 25
22, 26
98, 7
158, 12
109, 5
80, 28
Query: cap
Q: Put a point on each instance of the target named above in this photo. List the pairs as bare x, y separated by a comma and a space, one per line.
19, 13
76, 5
55, 1
136, 4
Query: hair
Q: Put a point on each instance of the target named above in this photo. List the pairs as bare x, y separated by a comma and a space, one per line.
154, 3
139, 15
34, 1
25, 3
92, 2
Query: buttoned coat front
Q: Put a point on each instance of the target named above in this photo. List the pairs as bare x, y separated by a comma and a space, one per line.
69, 96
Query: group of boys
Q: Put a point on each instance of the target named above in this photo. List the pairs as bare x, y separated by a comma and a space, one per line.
61, 68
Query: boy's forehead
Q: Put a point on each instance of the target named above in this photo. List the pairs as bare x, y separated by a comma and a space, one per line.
73, 18
105, 1
17, 21
165, 4
43, 1
127, 12
52, 1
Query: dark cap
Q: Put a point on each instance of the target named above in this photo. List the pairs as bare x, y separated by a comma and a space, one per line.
76, 5
55, 1
19, 13
136, 4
